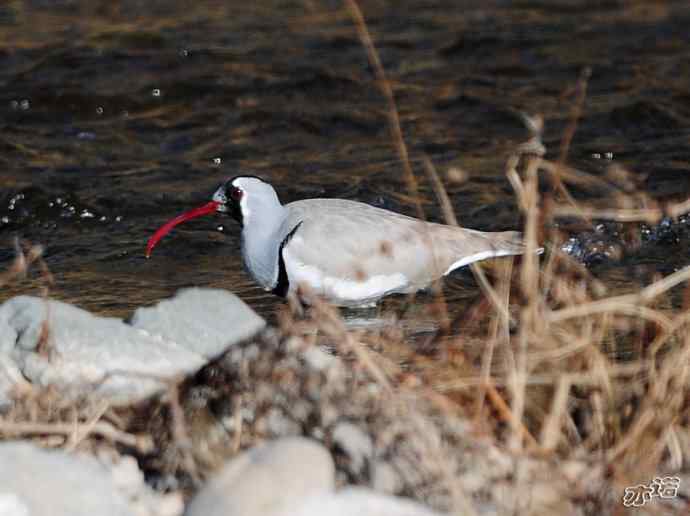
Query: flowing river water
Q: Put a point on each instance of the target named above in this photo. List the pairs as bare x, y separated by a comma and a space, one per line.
117, 116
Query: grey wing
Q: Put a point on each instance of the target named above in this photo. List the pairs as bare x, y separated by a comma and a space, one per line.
357, 242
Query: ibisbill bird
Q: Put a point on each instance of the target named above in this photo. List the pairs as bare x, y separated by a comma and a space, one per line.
347, 252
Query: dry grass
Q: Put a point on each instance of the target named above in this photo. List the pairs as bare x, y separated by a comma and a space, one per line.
627, 419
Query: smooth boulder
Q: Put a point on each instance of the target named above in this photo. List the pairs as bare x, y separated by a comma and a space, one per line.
267, 480
42, 482
58, 344
54, 343
361, 502
202, 320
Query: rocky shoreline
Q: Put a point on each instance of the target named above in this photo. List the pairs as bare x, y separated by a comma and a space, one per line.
240, 418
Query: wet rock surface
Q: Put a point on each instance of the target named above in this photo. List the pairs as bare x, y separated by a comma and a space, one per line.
56, 344
612, 242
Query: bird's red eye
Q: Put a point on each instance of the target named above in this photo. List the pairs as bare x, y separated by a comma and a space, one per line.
236, 193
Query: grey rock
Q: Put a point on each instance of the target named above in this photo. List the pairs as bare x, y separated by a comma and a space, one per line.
86, 353
280, 425
202, 320
318, 359
144, 501
121, 362
359, 501
384, 478
356, 444
53, 483
267, 480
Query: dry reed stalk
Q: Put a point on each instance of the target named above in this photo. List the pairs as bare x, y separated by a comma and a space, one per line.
576, 177
180, 435
80, 434
500, 306
143, 444
397, 137
392, 111
26, 254
613, 305
329, 321
677, 323
499, 333
551, 428
650, 216
451, 219
575, 115
19, 267
529, 318
637, 370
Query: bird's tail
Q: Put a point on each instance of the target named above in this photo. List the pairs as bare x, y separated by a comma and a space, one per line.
506, 243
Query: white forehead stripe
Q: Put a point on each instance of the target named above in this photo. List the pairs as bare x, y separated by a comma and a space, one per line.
244, 182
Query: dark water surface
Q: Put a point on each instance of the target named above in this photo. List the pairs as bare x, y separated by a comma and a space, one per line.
117, 116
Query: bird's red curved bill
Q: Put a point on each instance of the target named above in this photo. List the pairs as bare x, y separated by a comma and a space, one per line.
166, 228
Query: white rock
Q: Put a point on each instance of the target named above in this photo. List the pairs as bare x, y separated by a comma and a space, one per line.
202, 320
144, 501
318, 359
355, 443
384, 478
11, 505
267, 480
106, 357
86, 353
358, 501
54, 483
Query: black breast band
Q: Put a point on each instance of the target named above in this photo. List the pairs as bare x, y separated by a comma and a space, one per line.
283, 284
